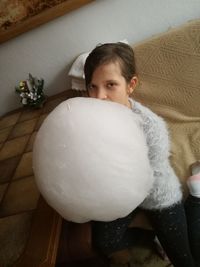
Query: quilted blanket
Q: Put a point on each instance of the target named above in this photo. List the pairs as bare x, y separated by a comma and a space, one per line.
168, 66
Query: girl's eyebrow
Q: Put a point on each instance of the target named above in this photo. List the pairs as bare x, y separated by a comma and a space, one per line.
111, 81
93, 85
106, 81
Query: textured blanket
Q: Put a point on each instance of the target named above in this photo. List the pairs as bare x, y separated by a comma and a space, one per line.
168, 66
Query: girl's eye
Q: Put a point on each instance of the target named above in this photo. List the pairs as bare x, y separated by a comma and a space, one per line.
91, 87
110, 85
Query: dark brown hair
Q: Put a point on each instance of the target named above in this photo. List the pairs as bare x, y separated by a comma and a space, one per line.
110, 52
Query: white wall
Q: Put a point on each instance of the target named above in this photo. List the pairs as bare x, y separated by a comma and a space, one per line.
48, 50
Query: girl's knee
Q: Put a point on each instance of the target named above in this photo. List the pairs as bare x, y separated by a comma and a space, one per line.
105, 243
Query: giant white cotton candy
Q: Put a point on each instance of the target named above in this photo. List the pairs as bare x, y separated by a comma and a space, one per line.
90, 160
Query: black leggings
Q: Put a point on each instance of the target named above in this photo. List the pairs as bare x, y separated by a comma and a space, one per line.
177, 228
115, 235
192, 209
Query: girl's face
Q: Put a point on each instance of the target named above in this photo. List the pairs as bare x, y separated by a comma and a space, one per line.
108, 84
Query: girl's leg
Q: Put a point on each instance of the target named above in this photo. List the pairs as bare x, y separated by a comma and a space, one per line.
109, 237
171, 228
192, 208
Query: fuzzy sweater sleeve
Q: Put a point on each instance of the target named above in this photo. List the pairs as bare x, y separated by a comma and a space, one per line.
166, 190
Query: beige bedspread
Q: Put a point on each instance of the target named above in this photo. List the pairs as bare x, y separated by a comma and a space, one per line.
169, 70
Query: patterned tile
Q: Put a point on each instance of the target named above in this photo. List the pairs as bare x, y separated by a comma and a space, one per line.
18, 191
25, 166
2, 190
7, 168
14, 234
22, 195
29, 114
51, 104
13, 147
23, 128
31, 142
4, 134
9, 120
40, 121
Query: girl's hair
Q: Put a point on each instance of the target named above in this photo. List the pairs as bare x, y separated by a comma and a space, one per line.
107, 53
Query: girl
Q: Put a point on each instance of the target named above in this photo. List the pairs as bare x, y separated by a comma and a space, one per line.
110, 75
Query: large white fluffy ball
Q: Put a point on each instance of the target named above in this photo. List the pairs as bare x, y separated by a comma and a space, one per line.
90, 160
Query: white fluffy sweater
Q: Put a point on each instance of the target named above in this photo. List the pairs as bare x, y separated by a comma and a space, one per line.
166, 190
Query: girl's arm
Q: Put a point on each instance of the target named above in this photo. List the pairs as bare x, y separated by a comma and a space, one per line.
166, 189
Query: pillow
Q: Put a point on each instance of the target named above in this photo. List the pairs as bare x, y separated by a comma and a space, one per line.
92, 165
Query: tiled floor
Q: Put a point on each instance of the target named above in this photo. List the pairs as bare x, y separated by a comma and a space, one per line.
18, 192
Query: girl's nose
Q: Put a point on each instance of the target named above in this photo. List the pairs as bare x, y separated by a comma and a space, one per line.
101, 94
